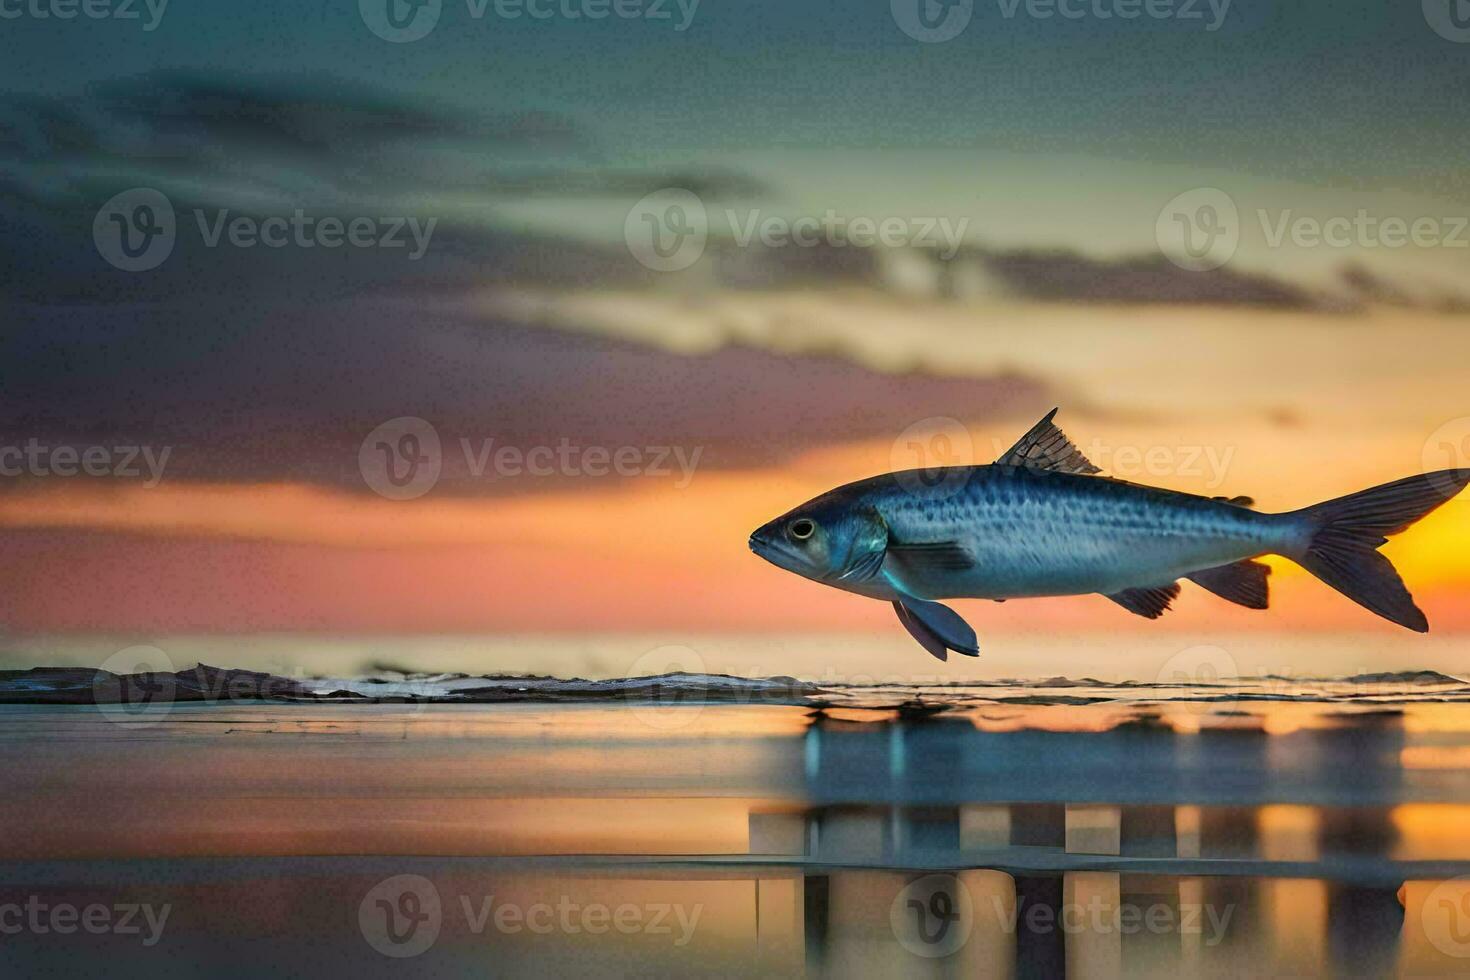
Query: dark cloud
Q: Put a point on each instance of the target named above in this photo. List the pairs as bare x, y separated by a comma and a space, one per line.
292, 397
274, 364
262, 147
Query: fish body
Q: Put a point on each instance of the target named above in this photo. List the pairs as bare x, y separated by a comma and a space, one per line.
1035, 532
1040, 522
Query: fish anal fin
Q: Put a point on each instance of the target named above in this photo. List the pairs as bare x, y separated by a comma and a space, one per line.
1046, 447
937, 627
1148, 602
1242, 582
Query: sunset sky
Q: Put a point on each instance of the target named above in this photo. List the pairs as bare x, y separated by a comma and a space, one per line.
690, 407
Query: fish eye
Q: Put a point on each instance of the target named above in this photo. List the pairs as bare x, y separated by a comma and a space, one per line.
801, 529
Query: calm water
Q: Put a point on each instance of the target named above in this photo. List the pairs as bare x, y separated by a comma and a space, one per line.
1132, 834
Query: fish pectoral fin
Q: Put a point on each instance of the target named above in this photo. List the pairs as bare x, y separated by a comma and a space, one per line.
1149, 603
864, 568
932, 556
1240, 582
1046, 447
937, 627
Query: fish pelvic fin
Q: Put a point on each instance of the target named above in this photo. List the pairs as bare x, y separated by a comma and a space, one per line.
1149, 602
937, 627
1241, 582
1347, 532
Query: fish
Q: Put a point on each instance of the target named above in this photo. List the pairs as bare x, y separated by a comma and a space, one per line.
1042, 521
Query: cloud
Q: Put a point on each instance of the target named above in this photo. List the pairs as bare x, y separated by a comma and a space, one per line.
291, 398
259, 147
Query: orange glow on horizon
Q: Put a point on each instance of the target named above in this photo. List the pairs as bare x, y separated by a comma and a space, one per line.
632, 555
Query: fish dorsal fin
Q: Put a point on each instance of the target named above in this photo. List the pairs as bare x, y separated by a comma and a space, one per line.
1047, 447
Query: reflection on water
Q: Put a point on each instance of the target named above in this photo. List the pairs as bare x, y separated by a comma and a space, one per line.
420, 916
737, 840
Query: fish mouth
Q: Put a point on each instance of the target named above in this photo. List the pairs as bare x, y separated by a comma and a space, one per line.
774, 550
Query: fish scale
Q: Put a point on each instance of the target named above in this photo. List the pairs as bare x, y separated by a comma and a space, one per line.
1035, 532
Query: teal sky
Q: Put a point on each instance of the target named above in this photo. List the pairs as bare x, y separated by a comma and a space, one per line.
1280, 89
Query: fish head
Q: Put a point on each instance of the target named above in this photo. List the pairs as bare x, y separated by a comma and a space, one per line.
827, 540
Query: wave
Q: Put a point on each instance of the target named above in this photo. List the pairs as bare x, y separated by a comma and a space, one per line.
207, 684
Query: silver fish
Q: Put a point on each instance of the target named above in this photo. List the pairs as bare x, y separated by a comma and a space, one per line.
1039, 522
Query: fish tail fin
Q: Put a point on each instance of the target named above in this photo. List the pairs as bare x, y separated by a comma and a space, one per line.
1346, 533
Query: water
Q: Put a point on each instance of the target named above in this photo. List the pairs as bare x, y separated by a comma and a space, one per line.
1064, 828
